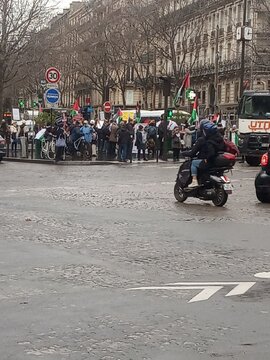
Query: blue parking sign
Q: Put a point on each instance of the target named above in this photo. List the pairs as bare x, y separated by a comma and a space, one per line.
52, 96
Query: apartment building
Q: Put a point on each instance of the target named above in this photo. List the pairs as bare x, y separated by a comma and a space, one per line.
205, 44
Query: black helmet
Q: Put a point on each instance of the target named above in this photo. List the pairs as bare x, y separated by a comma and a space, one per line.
203, 123
209, 128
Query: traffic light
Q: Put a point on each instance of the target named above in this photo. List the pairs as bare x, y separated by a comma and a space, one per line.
34, 104
21, 103
169, 114
190, 95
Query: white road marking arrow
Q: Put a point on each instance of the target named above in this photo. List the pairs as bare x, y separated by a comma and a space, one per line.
208, 289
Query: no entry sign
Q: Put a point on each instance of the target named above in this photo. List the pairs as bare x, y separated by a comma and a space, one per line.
107, 107
52, 75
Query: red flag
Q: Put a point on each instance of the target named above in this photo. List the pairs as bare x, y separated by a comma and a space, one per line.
76, 105
119, 112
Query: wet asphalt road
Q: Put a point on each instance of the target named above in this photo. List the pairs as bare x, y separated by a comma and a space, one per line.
75, 239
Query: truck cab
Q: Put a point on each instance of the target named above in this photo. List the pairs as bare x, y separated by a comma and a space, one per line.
254, 125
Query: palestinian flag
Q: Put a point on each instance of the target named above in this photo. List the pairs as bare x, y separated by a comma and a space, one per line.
180, 93
75, 108
195, 113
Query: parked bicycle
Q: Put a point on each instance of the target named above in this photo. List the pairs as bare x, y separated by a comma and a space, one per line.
48, 149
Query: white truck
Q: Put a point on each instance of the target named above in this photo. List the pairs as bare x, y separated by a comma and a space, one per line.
254, 125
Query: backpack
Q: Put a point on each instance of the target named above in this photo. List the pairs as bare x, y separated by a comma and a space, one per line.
152, 131
231, 148
151, 144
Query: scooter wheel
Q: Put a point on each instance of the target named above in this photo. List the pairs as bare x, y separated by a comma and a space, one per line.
179, 193
220, 198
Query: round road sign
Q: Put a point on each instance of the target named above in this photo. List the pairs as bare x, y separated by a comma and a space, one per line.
107, 107
52, 75
52, 96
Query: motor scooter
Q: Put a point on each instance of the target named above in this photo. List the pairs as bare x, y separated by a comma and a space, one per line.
214, 185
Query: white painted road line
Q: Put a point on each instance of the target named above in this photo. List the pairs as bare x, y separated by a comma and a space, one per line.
208, 289
241, 289
263, 275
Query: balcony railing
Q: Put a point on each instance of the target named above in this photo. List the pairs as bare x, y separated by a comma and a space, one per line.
223, 68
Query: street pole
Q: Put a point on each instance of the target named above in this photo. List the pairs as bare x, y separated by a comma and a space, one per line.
165, 147
251, 67
166, 93
216, 70
242, 71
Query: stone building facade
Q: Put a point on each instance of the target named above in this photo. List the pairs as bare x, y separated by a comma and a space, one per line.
212, 54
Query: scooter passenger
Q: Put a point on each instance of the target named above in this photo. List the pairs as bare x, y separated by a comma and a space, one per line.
206, 148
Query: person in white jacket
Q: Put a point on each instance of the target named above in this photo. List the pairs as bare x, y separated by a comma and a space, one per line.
14, 138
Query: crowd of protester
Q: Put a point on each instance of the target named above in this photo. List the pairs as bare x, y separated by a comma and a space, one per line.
105, 140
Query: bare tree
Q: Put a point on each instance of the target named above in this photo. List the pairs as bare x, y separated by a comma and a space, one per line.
261, 42
173, 37
19, 19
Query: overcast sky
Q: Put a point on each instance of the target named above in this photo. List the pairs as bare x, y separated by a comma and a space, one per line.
60, 4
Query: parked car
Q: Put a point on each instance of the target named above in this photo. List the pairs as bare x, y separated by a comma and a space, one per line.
2, 148
262, 181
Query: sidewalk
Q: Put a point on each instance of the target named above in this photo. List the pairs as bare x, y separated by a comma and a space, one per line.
83, 163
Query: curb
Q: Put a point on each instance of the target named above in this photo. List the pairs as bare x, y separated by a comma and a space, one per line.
62, 163
81, 163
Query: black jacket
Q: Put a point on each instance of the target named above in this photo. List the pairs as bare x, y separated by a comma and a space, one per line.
130, 129
206, 147
139, 140
123, 136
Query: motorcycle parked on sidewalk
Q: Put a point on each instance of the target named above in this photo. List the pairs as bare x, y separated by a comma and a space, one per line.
214, 185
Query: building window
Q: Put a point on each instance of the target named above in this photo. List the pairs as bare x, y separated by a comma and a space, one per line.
229, 51
230, 17
221, 22
203, 96
227, 93
236, 92
239, 13
220, 53
219, 93
205, 56
213, 22
212, 55
248, 11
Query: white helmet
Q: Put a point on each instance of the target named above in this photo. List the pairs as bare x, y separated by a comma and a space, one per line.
92, 122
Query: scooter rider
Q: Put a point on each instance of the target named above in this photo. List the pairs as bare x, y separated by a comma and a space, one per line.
205, 149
